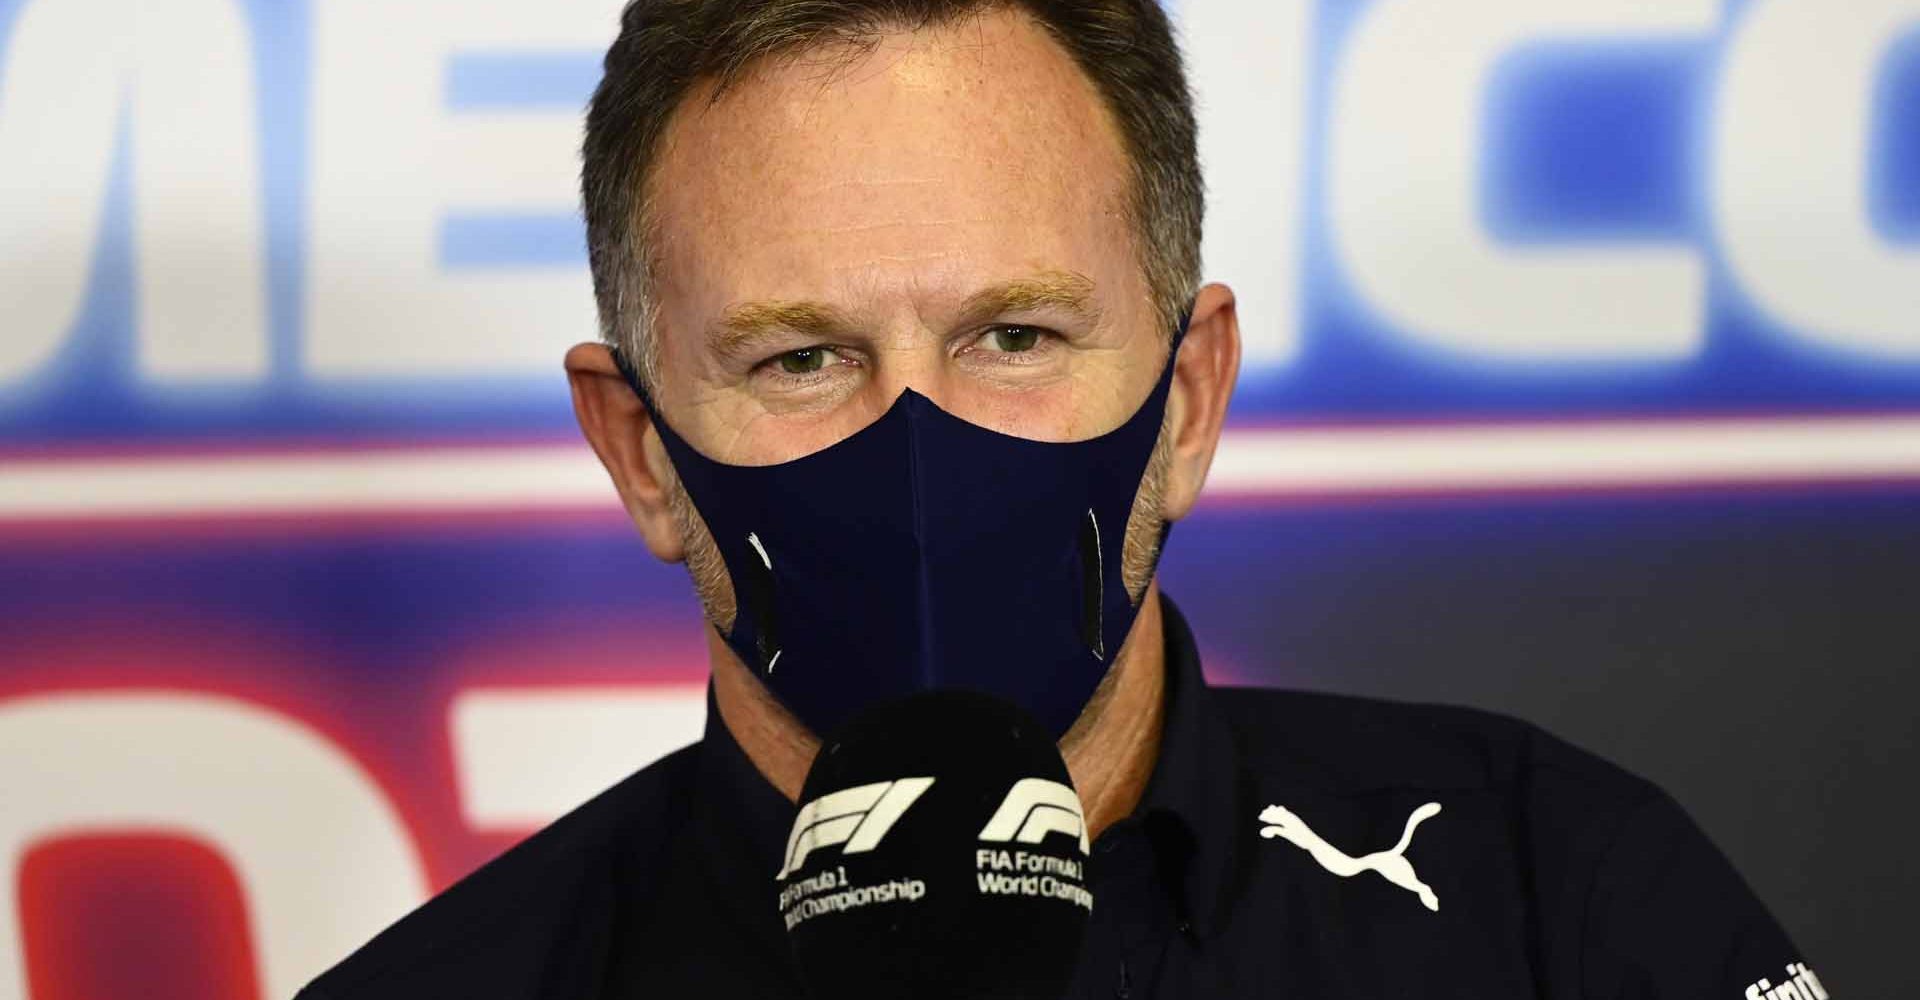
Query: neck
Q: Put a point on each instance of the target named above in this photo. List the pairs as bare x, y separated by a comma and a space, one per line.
1110, 750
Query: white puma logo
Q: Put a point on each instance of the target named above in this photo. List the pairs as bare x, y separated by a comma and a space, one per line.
1391, 865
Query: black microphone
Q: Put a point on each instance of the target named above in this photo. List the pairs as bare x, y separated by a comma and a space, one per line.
940, 852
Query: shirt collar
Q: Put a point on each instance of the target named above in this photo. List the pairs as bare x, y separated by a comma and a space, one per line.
743, 799
1193, 785
740, 824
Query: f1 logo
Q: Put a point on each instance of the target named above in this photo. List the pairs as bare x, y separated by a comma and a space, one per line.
1033, 808
855, 817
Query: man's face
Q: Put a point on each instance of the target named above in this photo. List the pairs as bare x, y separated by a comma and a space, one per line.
943, 211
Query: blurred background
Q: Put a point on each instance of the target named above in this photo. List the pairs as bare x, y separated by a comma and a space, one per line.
1582, 383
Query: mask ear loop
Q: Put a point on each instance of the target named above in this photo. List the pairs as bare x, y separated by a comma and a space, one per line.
758, 598
632, 375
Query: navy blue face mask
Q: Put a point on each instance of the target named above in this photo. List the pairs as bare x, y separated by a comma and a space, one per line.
925, 552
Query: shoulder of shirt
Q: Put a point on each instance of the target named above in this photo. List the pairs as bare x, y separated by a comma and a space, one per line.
1343, 744
1598, 844
542, 872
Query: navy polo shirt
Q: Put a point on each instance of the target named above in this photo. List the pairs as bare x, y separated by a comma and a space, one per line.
1288, 844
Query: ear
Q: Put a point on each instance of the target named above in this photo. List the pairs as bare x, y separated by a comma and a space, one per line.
621, 432
1203, 378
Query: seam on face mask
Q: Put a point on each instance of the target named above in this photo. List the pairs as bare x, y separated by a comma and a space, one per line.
925, 611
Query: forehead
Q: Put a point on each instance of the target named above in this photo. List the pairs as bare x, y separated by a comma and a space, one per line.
960, 153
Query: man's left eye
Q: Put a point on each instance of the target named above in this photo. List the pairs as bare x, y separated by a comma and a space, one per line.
807, 360
1012, 339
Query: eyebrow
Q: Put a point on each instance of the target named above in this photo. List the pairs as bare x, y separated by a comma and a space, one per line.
1066, 290
744, 326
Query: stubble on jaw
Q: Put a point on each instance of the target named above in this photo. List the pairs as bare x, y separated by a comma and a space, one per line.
704, 565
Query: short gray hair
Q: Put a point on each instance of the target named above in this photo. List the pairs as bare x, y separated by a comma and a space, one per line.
667, 48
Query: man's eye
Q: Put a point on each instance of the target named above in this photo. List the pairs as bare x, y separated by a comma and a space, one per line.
1013, 339
805, 360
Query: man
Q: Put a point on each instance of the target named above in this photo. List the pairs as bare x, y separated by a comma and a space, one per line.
844, 248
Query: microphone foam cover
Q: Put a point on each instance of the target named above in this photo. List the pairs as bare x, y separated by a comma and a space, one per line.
939, 852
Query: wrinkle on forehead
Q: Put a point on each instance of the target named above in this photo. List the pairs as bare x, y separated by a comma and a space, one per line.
870, 227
